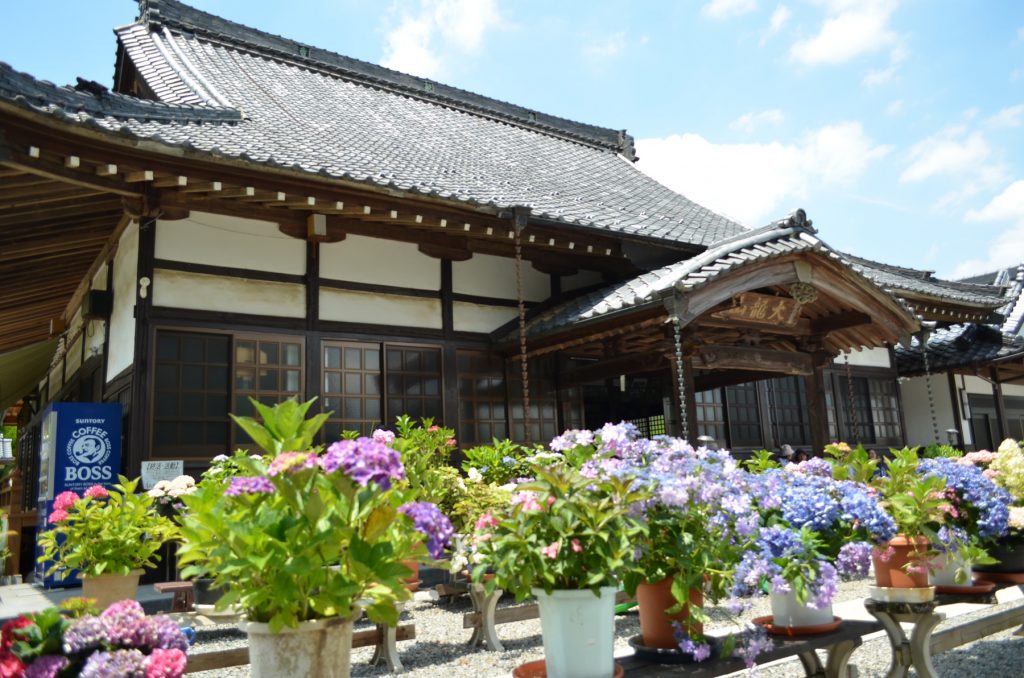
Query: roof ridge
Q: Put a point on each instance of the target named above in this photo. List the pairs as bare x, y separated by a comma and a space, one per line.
96, 99
189, 19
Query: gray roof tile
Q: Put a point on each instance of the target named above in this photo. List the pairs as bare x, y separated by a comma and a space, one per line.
958, 346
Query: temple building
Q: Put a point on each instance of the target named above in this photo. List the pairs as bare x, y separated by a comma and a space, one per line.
238, 215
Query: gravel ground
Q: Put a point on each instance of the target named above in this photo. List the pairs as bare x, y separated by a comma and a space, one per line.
440, 646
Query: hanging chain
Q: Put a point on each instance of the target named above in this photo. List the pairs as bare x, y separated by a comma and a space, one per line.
773, 418
928, 382
523, 365
851, 407
681, 378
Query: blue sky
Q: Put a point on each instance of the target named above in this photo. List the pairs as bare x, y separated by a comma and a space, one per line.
897, 125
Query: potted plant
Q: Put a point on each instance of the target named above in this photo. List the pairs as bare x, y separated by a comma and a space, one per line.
306, 539
565, 538
75, 641
977, 513
915, 502
838, 522
1005, 467
695, 529
108, 536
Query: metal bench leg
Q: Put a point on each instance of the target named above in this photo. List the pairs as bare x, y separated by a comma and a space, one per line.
485, 604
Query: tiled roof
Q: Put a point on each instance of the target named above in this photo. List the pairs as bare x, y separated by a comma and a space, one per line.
958, 346
312, 111
777, 239
913, 282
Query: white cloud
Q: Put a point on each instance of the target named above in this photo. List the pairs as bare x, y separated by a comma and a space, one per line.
895, 108
1007, 249
726, 9
946, 153
749, 121
755, 183
779, 17
436, 33
609, 48
1012, 116
851, 29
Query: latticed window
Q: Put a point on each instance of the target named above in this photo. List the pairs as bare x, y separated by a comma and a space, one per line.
872, 415
351, 388
543, 420
191, 394
413, 375
743, 415
885, 411
268, 370
711, 414
790, 419
481, 378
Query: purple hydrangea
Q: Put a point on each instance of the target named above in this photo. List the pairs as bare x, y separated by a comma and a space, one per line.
249, 485
854, 559
116, 664
150, 633
47, 666
699, 651
84, 633
364, 460
753, 644
986, 504
429, 520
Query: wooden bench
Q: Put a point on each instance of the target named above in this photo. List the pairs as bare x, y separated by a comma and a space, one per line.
182, 591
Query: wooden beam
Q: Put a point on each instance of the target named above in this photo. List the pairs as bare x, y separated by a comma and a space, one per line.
202, 187
722, 378
20, 161
626, 364
839, 321
445, 250
714, 357
139, 176
175, 181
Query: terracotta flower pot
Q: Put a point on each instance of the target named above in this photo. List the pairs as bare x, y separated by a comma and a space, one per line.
891, 572
538, 669
412, 582
655, 624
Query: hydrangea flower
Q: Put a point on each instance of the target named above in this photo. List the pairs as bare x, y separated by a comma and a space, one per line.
986, 504
383, 436
364, 460
65, 500
291, 462
163, 663
97, 492
118, 663
46, 666
249, 485
84, 633
854, 559
429, 520
57, 516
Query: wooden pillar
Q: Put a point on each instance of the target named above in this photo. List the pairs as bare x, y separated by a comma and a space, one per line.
449, 358
997, 396
314, 387
139, 440
691, 401
954, 406
814, 385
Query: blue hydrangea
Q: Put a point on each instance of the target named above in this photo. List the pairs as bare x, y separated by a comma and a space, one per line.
977, 502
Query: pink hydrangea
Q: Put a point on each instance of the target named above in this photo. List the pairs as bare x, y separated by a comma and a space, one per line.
57, 516
97, 492
551, 550
165, 663
576, 547
65, 500
486, 521
383, 436
292, 462
982, 457
528, 500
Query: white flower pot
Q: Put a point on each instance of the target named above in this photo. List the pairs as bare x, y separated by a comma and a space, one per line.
320, 648
786, 611
944, 568
579, 632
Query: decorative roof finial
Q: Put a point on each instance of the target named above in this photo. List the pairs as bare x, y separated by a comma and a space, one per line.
798, 219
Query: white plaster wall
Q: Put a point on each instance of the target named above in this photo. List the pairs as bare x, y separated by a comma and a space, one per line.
581, 279
917, 414
869, 357
121, 350
99, 280
382, 262
73, 358
201, 292
379, 309
56, 382
489, 276
478, 318
219, 240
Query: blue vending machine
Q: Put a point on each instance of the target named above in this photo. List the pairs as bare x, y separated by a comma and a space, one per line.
81, 447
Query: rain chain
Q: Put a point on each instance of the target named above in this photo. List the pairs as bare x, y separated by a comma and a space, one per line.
681, 378
928, 383
524, 373
852, 410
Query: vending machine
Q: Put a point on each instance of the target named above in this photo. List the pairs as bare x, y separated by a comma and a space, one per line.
81, 447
